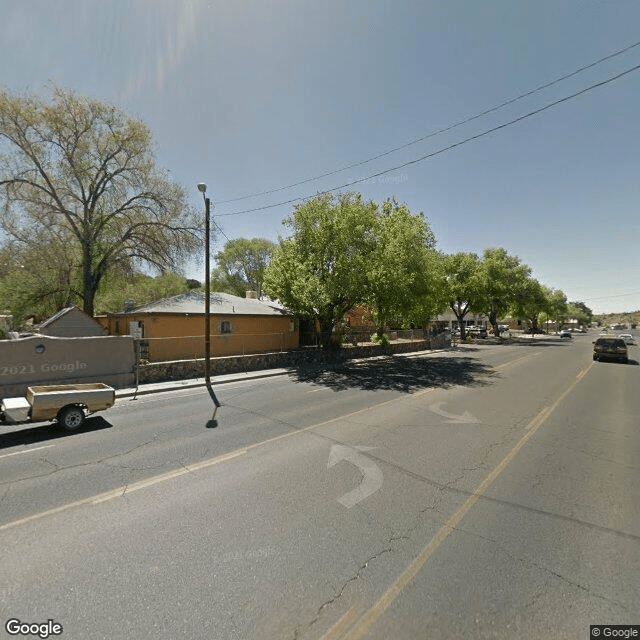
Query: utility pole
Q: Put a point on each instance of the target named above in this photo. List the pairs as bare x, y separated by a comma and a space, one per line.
202, 187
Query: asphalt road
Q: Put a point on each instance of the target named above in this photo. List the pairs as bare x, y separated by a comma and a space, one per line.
487, 492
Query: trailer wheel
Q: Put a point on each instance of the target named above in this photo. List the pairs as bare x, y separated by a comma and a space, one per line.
71, 418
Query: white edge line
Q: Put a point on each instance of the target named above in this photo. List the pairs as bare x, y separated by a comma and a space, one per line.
16, 453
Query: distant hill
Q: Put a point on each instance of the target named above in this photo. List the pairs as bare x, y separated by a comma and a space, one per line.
631, 317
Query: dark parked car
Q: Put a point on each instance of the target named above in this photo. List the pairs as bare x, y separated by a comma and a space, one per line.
532, 330
610, 348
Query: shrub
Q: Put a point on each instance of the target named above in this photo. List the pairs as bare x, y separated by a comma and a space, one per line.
382, 340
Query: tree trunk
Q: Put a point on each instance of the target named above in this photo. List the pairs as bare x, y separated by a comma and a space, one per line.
89, 292
493, 321
328, 339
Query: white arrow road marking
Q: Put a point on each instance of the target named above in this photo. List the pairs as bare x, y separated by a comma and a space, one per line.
465, 418
371, 473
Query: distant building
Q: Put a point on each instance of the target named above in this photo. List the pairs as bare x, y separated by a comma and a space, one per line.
450, 321
359, 318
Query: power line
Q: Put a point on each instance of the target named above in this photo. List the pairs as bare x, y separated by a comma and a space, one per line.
617, 295
434, 133
439, 151
219, 228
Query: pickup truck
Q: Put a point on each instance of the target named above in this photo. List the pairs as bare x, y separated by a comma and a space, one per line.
68, 404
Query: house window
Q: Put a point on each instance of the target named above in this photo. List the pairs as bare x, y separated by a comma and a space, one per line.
225, 326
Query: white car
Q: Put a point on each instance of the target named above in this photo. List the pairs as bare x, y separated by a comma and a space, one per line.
565, 333
627, 337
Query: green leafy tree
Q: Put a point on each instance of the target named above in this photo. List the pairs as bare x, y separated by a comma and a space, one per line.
401, 269
139, 287
576, 311
37, 280
558, 308
241, 265
500, 277
531, 299
40, 281
463, 285
84, 173
584, 313
320, 271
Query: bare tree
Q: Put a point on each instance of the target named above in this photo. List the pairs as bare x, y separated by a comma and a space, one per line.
84, 173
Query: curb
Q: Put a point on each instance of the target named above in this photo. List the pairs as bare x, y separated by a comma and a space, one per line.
175, 385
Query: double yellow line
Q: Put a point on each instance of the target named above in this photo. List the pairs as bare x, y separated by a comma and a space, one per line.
368, 619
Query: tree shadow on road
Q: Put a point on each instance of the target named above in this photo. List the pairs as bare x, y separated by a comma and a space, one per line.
396, 374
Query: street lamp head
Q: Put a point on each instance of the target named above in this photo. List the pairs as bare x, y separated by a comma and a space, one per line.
202, 187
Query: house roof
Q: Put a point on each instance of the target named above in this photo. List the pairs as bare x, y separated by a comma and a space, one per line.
71, 322
55, 316
221, 304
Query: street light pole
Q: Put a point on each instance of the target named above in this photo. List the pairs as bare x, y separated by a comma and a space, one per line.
202, 187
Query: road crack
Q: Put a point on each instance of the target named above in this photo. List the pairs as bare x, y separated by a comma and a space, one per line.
5, 494
339, 592
530, 563
57, 468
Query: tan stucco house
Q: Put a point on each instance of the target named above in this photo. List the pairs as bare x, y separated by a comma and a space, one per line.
173, 328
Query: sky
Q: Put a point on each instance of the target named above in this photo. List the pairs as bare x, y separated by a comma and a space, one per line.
257, 95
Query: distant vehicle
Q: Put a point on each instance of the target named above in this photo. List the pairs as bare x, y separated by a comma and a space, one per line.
479, 332
627, 337
565, 333
610, 349
534, 330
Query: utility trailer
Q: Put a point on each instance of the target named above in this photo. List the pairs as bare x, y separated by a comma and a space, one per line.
68, 404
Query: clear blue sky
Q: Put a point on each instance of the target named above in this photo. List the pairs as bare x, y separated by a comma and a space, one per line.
253, 95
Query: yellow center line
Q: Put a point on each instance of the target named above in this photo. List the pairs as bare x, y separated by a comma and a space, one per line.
130, 488
368, 619
342, 625
508, 364
148, 482
123, 490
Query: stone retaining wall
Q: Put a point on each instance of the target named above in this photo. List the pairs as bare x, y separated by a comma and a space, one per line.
185, 369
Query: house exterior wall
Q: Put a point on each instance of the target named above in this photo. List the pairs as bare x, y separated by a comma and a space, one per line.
73, 324
471, 319
181, 336
359, 317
